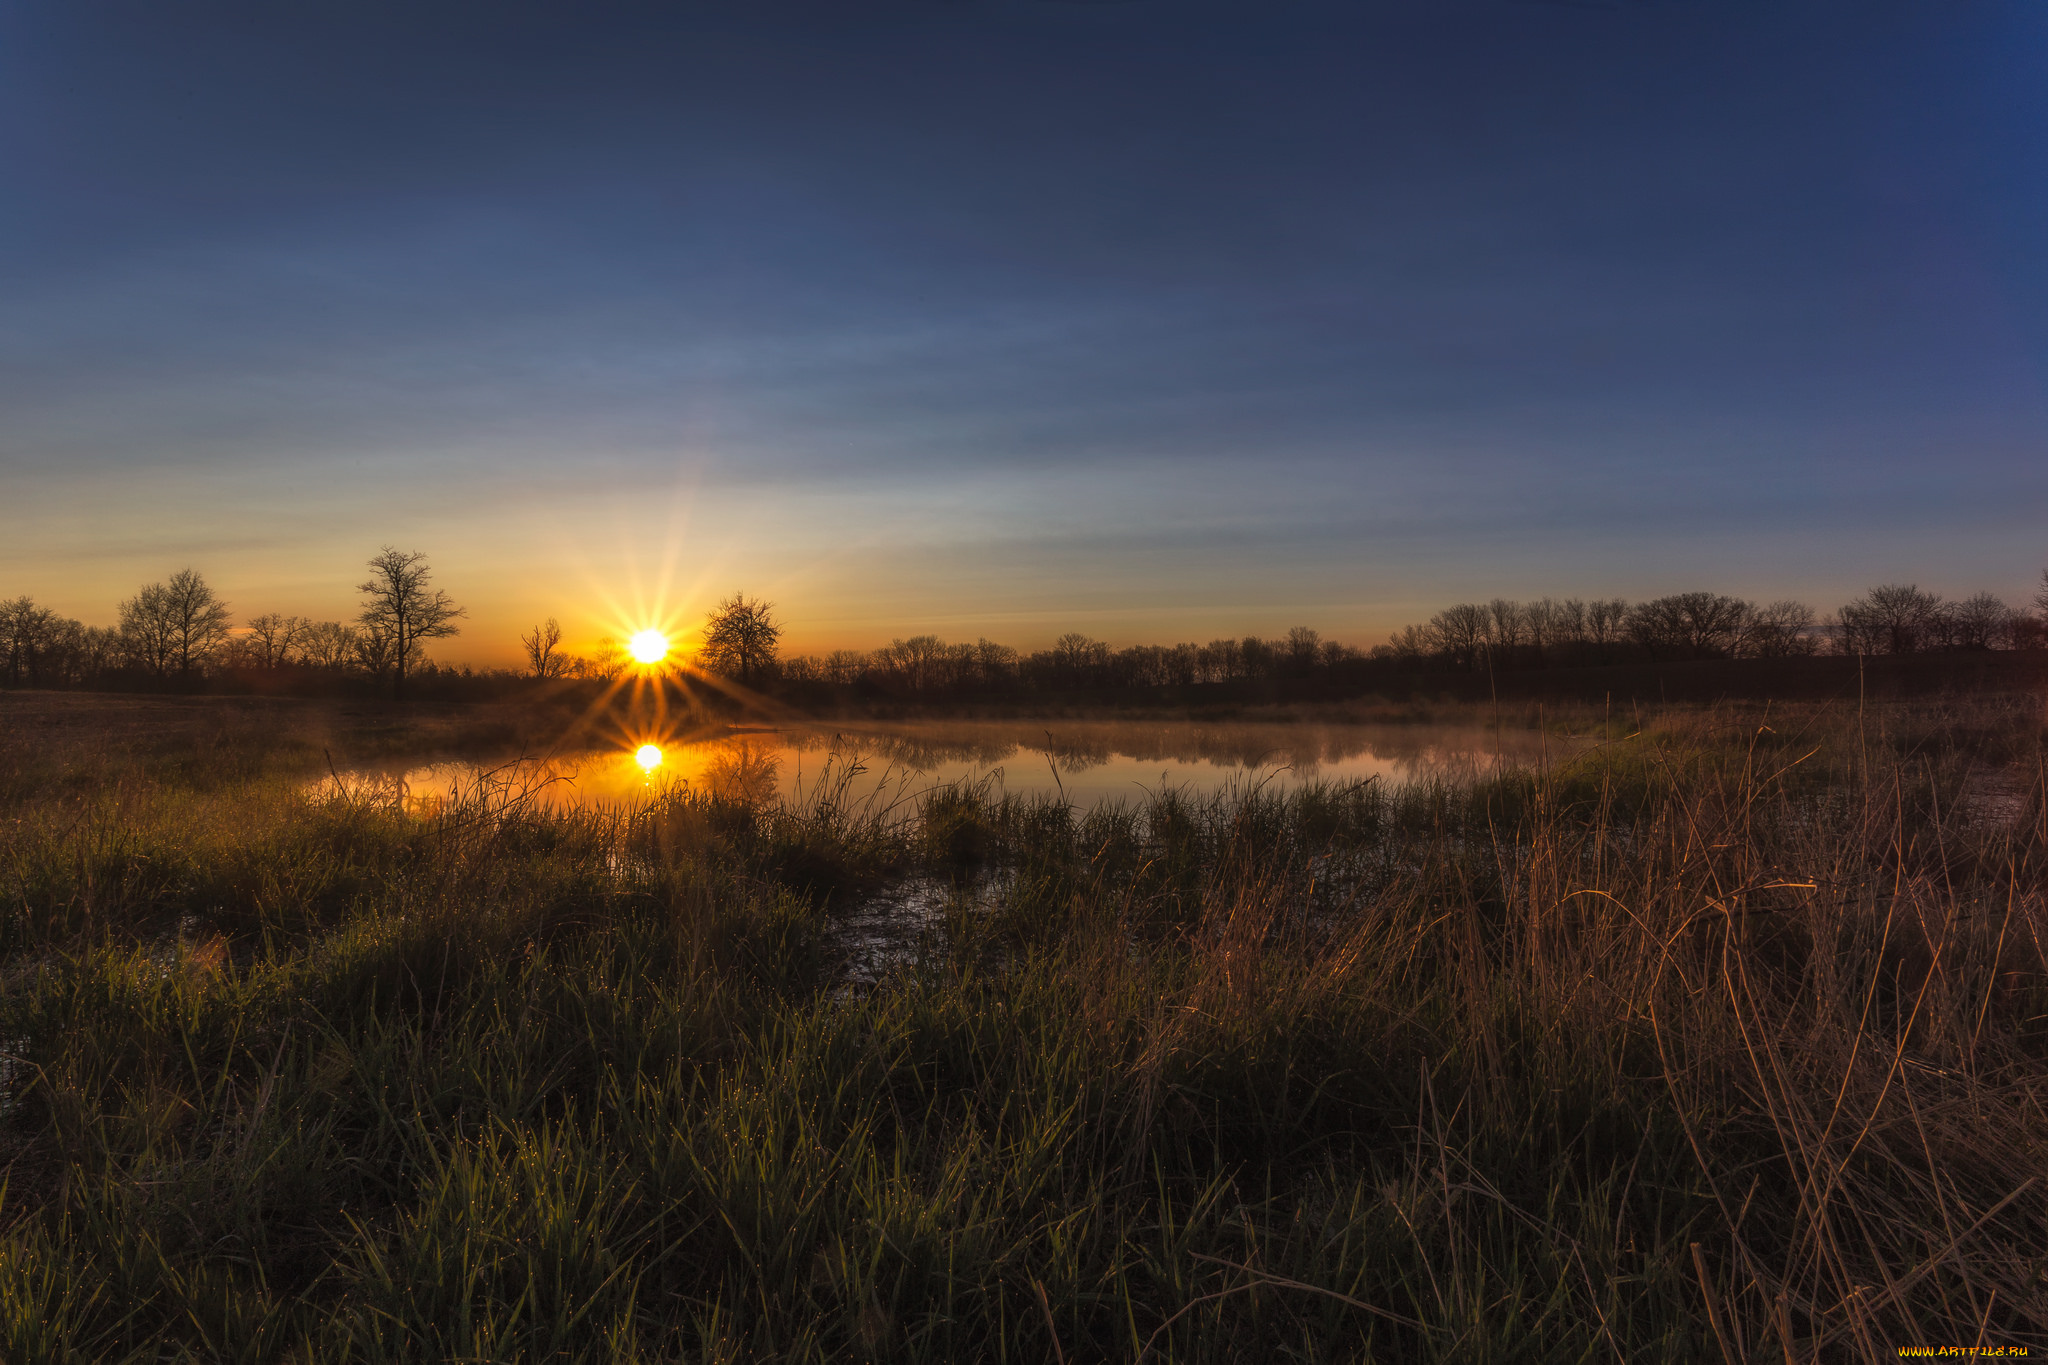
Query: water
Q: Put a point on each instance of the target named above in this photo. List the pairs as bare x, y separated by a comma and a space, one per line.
1085, 762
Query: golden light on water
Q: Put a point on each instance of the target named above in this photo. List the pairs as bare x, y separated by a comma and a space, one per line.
648, 646
648, 756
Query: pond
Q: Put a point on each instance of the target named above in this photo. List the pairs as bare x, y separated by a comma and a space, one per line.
1083, 762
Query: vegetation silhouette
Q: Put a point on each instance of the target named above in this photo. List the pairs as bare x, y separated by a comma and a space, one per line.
176, 636
544, 654
174, 628
402, 610
740, 639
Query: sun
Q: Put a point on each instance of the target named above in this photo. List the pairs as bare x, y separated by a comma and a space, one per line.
648, 646
648, 756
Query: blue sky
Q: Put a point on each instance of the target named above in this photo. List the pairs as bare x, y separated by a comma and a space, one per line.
1156, 319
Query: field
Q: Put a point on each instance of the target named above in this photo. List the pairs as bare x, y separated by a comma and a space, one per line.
1724, 1039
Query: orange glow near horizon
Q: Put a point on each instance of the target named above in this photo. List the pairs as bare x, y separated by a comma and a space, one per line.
648, 646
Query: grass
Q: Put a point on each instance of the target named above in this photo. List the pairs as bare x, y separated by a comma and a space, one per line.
1722, 1041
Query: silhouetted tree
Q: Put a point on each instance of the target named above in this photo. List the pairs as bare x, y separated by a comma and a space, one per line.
843, 667
1460, 632
1568, 626
740, 639
174, 626
370, 649
28, 635
1304, 650
1978, 622
1606, 621
1693, 625
1407, 644
327, 644
996, 665
99, 652
1504, 624
404, 610
272, 638
1543, 622
1778, 631
1897, 618
1221, 661
543, 650
918, 662
610, 661
1078, 660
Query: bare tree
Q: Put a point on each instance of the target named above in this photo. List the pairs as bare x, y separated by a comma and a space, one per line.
608, 663
1778, 631
327, 644
740, 638
1214, 662
843, 666
273, 638
405, 610
996, 664
1606, 618
919, 661
543, 650
1569, 626
1979, 622
1077, 660
1254, 656
1504, 623
1695, 625
1304, 650
145, 630
1896, 618
199, 620
370, 649
1410, 642
176, 625
1544, 619
27, 635
99, 650
38, 648
1460, 632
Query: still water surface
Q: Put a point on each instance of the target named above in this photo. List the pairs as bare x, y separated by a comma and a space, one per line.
1085, 761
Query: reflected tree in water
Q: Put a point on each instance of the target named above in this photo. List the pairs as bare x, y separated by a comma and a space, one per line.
744, 769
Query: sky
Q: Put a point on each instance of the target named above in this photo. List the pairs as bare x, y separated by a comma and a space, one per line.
1156, 319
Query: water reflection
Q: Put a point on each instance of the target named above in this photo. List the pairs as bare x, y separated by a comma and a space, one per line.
1085, 762
742, 768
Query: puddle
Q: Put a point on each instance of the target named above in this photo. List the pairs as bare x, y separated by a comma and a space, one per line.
882, 931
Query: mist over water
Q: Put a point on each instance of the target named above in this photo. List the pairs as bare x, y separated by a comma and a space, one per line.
1084, 762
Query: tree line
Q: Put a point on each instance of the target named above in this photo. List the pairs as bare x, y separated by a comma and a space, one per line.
1496, 634
1897, 618
177, 633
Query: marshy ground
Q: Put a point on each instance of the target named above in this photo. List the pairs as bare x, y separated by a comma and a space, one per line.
1722, 1035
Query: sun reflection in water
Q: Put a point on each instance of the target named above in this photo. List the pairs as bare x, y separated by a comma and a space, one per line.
648, 756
